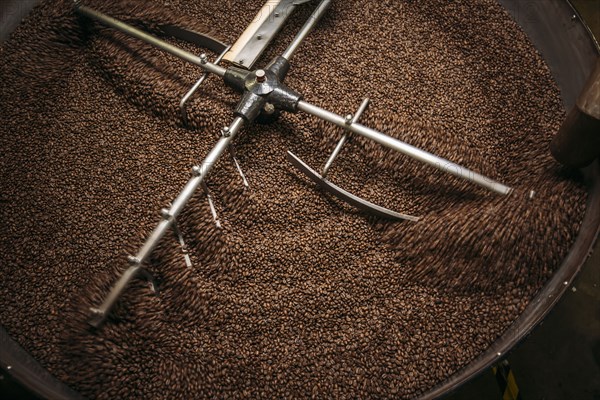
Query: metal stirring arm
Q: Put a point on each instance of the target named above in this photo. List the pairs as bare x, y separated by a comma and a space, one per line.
168, 215
146, 37
405, 148
324, 183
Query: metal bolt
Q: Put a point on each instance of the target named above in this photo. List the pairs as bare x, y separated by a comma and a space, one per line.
348, 120
269, 108
165, 214
260, 75
203, 58
573, 17
259, 37
276, 15
134, 260
196, 170
96, 311
225, 132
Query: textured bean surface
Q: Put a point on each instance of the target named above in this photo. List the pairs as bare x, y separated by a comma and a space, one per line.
298, 294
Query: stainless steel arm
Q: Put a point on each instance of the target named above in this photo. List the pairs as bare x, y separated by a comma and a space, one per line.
139, 34
405, 148
190, 188
169, 215
308, 26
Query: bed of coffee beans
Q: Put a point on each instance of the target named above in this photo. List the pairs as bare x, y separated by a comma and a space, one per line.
298, 294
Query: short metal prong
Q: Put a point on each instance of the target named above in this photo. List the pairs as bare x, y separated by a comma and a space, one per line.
334, 155
338, 148
213, 210
150, 279
190, 93
186, 255
237, 165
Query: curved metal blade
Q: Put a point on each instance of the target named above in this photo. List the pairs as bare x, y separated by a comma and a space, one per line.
197, 38
344, 195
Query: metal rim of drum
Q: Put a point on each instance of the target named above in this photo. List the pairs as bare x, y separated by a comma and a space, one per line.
569, 48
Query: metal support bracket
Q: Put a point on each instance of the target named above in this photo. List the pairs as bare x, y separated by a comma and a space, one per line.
351, 120
340, 193
194, 89
259, 34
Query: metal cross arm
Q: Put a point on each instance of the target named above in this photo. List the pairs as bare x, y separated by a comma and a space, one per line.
146, 37
405, 148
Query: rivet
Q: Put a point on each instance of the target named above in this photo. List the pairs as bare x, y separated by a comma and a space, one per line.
260, 75
269, 108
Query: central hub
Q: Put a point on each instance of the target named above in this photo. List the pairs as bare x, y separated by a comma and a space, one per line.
261, 82
262, 88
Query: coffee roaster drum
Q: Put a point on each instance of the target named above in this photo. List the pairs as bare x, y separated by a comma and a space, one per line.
570, 50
